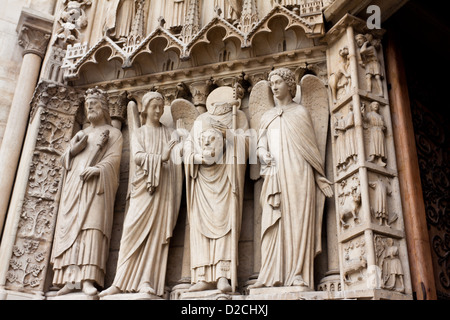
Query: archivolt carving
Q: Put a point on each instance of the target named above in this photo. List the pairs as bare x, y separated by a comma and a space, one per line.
127, 55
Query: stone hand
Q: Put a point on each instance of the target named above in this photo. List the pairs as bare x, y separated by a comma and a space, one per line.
325, 186
165, 156
89, 173
268, 159
220, 127
181, 129
79, 145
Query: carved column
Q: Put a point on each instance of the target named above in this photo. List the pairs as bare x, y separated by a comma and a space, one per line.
34, 34
27, 242
369, 218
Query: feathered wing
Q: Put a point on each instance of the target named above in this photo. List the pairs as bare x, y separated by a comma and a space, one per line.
134, 123
185, 110
315, 98
260, 101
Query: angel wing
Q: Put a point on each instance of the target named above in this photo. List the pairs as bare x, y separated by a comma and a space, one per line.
315, 98
260, 101
185, 110
134, 123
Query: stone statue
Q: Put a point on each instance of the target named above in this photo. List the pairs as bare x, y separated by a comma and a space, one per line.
350, 138
72, 20
340, 80
215, 164
176, 12
85, 215
368, 59
380, 206
231, 8
341, 146
374, 122
154, 204
119, 18
291, 151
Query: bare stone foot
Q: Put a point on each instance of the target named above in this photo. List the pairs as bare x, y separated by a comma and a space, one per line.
110, 291
223, 285
65, 290
256, 285
299, 282
89, 289
201, 286
147, 290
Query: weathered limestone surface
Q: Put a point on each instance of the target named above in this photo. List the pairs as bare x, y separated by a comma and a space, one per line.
219, 88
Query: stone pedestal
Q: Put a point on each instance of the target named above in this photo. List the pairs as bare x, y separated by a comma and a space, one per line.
209, 295
71, 296
131, 296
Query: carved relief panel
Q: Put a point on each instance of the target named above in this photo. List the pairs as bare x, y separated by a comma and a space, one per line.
364, 162
54, 109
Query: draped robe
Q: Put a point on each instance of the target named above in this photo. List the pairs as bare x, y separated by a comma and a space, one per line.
211, 202
291, 225
150, 218
85, 215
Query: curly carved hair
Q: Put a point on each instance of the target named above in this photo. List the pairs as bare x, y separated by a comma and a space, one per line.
288, 76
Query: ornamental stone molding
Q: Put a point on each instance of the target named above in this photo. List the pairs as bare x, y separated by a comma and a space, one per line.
34, 29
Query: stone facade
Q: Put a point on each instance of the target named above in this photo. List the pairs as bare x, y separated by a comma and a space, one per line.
186, 51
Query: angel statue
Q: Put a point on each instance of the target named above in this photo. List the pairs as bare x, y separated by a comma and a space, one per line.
291, 150
154, 202
214, 156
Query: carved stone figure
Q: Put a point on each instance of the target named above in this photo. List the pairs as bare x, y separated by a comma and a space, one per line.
119, 18
341, 146
350, 139
154, 204
349, 201
392, 268
389, 262
375, 124
340, 79
368, 59
294, 185
175, 12
379, 206
231, 8
72, 20
215, 164
85, 215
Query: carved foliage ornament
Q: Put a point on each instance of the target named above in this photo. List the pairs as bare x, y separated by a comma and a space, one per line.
33, 40
56, 107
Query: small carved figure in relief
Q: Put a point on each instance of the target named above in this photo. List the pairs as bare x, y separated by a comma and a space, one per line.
349, 202
346, 151
350, 139
215, 175
341, 147
368, 59
119, 19
375, 124
379, 206
231, 8
85, 216
72, 20
292, 165
341, 79
154, 204
390, 264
